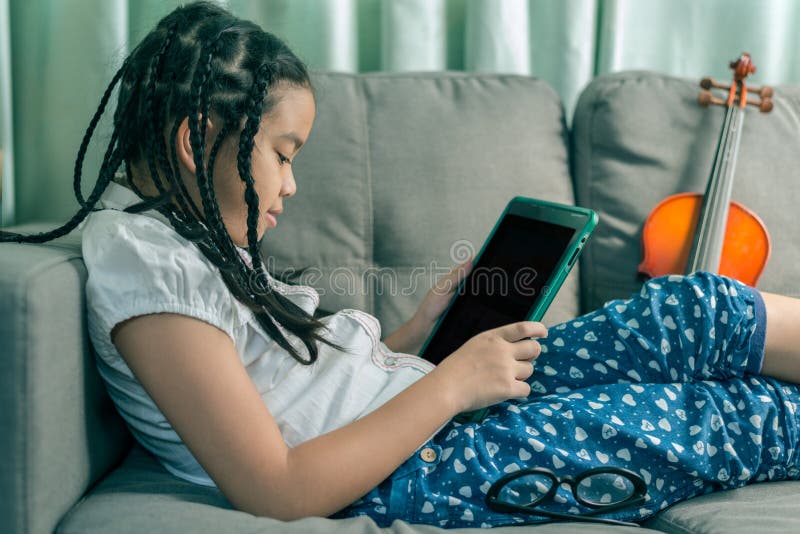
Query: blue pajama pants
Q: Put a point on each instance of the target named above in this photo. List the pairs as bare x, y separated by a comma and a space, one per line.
664, 383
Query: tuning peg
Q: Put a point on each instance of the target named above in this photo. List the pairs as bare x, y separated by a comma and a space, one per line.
708, 83
764, 91
765, 105
705, 98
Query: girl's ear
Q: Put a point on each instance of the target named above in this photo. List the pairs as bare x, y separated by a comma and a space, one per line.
184, 146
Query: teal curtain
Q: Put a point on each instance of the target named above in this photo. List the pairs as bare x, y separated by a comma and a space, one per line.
56, 57
6, 139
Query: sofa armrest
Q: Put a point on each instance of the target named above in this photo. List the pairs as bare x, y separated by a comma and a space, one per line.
59, 431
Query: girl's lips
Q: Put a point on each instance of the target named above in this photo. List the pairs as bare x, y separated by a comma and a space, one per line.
271, 218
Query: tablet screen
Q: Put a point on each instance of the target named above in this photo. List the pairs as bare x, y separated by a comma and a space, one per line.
504, 284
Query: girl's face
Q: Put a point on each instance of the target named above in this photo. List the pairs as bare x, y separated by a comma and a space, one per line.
281, 134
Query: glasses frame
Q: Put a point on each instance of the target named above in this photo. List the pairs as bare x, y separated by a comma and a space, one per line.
498, 505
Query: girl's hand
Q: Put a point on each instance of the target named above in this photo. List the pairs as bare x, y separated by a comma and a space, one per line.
492, 366
410, 337
438, 298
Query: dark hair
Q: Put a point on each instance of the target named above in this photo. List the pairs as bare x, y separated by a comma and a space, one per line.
199, 58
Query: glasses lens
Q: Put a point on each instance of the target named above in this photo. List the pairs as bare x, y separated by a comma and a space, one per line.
605, 489
526, 490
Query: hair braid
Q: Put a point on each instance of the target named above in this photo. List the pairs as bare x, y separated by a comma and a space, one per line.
198, 121
222, 246
76, 184
106, 173
149, 112
197, 126
185, 200
172, 164
258, 282
113, 157
156, 149
262, 78
224, 131
129, 179
225, 264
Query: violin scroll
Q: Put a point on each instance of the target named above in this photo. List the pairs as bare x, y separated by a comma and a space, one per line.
742, 67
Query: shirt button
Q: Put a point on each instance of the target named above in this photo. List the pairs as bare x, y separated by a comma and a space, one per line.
428, 454
390, 361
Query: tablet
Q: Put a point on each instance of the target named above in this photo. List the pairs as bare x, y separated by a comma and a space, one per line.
516, 274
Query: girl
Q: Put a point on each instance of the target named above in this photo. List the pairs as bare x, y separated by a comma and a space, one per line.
222, 371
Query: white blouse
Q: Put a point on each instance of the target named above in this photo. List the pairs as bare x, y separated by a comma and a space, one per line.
138, 264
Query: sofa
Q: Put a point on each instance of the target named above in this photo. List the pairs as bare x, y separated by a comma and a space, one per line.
402, 173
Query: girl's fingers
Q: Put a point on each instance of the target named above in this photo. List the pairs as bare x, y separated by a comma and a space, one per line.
525, 369
527, 349
520, 330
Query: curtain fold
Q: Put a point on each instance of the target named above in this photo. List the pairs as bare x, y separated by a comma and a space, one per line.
413, 35
498, 36
6, 137
57, 56
563, 38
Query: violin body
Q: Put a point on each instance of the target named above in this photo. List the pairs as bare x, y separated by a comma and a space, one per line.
672, 225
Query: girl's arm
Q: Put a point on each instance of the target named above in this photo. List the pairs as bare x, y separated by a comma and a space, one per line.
193, 373
408, 339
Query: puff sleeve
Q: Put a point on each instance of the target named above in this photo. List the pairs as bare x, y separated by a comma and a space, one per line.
138, 265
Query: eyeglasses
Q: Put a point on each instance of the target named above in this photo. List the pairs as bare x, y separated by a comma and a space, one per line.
603, 489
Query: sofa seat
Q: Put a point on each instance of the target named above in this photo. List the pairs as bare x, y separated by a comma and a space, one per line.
140, 484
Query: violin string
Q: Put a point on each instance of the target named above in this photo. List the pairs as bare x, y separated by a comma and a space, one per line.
720, 161
699, 254
717, 206
722, 197
718, 195
725, 199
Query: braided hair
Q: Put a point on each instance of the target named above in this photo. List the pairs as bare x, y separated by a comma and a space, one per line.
197, 60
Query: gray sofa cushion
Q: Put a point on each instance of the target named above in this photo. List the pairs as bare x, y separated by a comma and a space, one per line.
60, 432
403, 171
769, 508
639, 137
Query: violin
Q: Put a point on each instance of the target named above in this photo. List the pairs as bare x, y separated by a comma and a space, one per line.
687, 232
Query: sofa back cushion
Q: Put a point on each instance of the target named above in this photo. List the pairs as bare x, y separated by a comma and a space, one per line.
404, 173
638, 137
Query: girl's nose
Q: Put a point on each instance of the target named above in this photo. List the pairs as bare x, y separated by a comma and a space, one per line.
289, 186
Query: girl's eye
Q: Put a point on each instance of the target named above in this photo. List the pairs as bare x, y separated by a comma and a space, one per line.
283, 159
